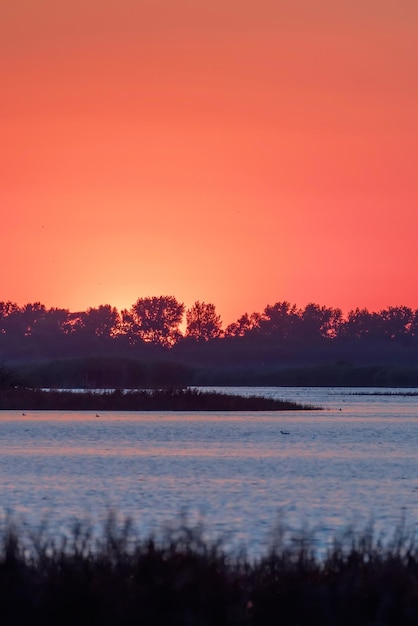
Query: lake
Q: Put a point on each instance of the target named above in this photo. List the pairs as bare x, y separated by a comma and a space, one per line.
354, 462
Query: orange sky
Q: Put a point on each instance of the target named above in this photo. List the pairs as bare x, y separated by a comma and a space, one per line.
231, 151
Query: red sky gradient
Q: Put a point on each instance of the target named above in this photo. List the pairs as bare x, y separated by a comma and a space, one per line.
236, 152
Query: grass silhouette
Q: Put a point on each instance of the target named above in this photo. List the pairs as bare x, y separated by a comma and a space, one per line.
143, 400
180, 579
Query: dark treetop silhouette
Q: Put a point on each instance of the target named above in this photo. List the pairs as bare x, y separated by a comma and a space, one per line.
256, 349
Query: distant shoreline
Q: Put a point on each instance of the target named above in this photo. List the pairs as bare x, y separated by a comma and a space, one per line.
141, 400
111, 372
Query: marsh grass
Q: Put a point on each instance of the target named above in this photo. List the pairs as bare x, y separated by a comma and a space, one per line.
180, 578
170, 399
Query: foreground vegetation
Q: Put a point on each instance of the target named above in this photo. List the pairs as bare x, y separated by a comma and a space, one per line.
146, 400
182, 579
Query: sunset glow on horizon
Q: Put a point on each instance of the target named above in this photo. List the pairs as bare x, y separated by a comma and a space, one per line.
238, 153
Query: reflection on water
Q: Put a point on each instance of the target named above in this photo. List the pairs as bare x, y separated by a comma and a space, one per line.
354, 461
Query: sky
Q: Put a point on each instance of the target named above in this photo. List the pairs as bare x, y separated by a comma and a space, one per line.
234, 152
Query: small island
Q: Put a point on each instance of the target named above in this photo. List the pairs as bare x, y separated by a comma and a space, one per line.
168, 399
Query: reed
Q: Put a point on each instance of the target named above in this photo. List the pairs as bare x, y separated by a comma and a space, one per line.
171, 399
181, 579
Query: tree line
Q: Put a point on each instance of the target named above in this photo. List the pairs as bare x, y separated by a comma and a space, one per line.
157, 321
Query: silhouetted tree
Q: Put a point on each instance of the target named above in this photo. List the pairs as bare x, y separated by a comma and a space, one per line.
280, 332
414, 324
24, 321
154, 319
319, 321
360, 323
396, 322
51, 323
6, 310
128, 328
335, 323
244, 325
203, 323
279, 320
100, 322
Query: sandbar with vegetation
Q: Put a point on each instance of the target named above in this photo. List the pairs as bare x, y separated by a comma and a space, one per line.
140, 400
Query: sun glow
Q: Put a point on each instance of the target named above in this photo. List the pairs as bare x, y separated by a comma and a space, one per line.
236, 155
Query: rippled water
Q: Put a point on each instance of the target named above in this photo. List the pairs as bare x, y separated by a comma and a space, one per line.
355, 461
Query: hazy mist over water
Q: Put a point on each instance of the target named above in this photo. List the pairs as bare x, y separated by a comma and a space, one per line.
351, 463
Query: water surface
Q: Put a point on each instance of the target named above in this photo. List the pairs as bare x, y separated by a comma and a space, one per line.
352, 462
